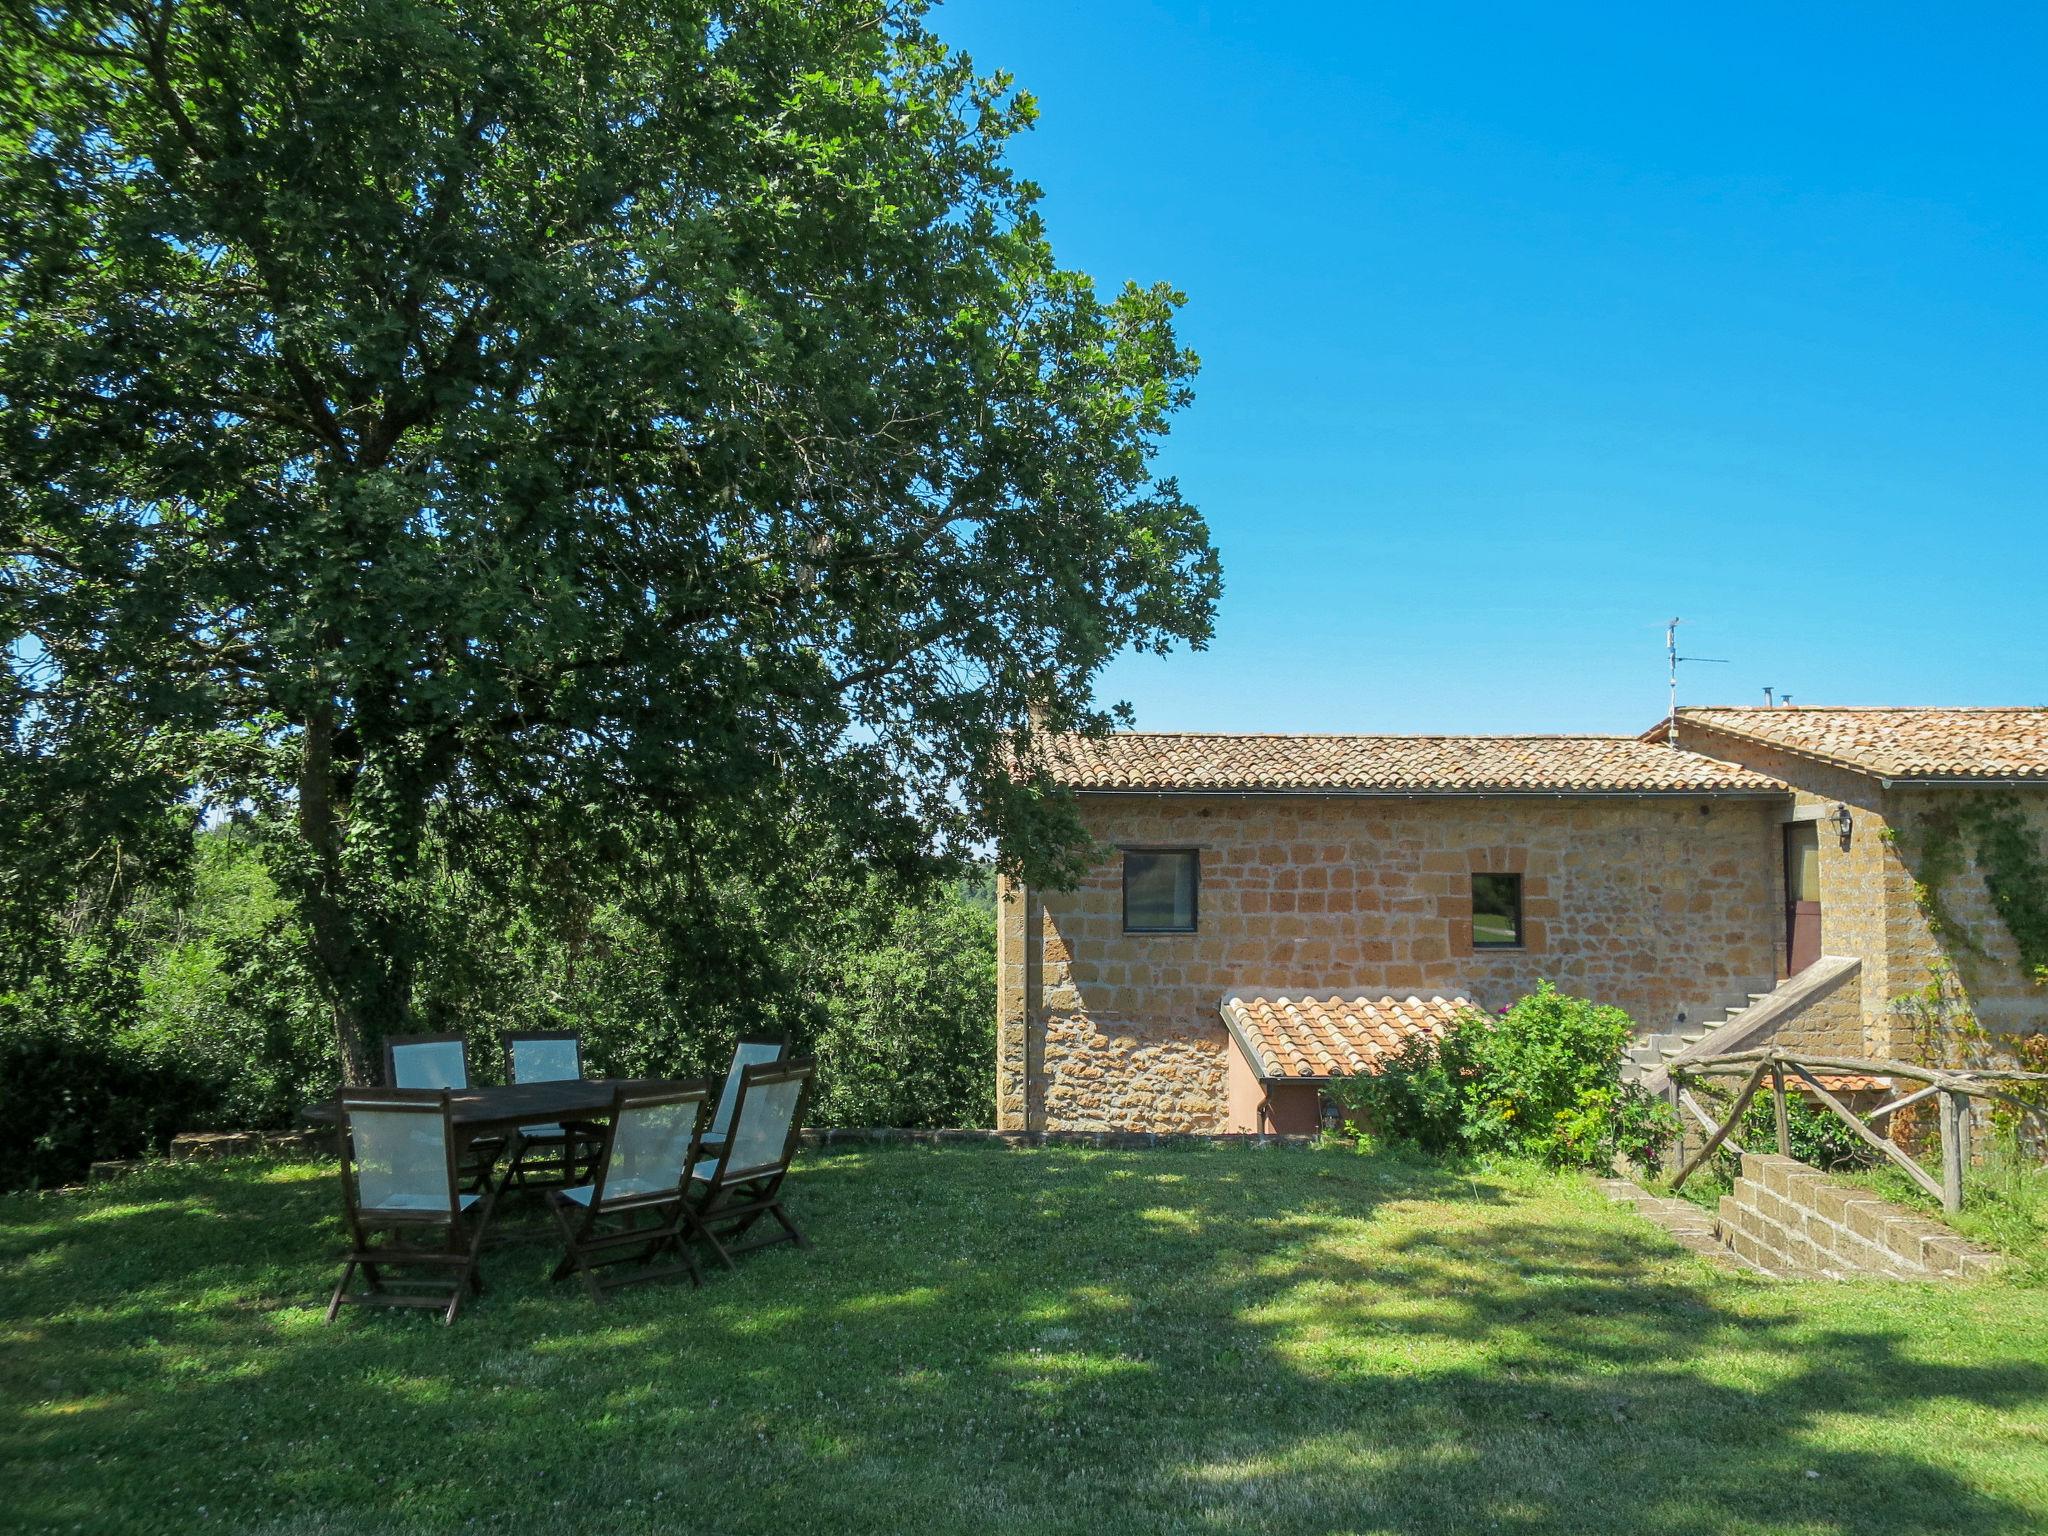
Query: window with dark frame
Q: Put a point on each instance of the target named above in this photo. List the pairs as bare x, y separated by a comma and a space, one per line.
1161, 889
1496, 911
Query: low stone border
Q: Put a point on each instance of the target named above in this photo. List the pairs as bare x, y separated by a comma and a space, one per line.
209, 1146
1792, 1220
1118, 1141
205, 1146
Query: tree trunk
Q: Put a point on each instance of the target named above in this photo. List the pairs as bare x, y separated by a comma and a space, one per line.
342, 969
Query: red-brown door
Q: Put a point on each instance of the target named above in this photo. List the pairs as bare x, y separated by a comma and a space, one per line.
1802, 895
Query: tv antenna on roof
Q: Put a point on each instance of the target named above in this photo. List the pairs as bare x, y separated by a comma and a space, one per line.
1671, 650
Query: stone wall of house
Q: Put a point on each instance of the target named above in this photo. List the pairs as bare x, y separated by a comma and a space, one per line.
1661, 906
2003, 997
1860, 883
1829, 1023
1870, 902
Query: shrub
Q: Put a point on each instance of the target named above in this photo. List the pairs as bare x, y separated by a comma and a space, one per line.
1416, 1098
909, 1034
1819, 1138
1549, 1069
1542, 1080
73, 1089
221, 990
188, 1006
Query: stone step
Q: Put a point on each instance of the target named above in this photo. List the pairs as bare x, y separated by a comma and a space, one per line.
1685, 1223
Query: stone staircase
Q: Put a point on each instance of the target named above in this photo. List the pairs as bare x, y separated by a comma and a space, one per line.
1652, 1052
1816, 1008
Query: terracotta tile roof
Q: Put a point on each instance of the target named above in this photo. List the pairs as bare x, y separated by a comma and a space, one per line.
1897, 743
1565, 765
1302, 1036
1842, 1082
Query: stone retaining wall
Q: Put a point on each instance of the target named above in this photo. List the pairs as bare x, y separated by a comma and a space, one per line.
1116, 1141
1795, 1222
208, 1146
201, 1146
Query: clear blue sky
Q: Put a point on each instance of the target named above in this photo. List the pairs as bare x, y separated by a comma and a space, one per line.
1525, 327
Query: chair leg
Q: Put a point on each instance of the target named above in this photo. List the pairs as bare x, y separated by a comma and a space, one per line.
571, 1240
575, 1260
700, 1227
788, 1226
677, 1241
348, 1271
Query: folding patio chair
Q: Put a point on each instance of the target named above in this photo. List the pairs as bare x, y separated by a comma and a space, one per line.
752, 1051
398, 1176
743, 1183
641, 1173
441, 1061
548, 1056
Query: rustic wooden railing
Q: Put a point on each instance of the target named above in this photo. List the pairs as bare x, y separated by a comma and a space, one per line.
1953, 1087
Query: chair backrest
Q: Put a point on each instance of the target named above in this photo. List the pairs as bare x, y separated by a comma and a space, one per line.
652, 1146
752, 1051
544, 1056
398, 1152
766, 1119
426, 1061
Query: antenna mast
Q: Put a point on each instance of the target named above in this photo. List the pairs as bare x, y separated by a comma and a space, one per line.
1671, 651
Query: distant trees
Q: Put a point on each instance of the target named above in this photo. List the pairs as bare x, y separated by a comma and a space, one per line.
194, 1007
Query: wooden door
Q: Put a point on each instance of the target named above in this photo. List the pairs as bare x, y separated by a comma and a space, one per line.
1802, 895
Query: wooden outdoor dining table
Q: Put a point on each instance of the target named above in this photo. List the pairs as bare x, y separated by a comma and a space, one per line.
479, 1113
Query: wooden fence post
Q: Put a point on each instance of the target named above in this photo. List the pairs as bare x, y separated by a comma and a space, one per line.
1955, 1110
1778, 1106
1675, 1158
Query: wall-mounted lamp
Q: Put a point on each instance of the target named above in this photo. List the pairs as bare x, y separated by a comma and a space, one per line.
1844, 823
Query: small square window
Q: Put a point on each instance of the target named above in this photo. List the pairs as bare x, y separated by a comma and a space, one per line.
1160, 889
1496, 911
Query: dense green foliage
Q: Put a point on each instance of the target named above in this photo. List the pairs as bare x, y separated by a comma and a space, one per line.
1089, 1343
909, 1029
1417, 1098
2010, 852
549, 454
1818, 1136
1541, 1079
194, 1009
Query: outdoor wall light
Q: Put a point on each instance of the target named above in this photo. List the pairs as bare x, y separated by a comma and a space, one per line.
1844, 823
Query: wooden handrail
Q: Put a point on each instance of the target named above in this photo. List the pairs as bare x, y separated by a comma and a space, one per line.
1953, 1085
1741, 1103
1865, 1066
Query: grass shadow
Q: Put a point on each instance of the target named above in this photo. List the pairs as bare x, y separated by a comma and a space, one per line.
1065, 1339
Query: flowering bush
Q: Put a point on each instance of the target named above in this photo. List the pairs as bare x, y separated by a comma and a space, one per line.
1542, 1078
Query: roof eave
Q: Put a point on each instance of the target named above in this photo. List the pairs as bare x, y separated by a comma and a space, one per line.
1811, 754
1717, 793
1251, 1053
1985, 780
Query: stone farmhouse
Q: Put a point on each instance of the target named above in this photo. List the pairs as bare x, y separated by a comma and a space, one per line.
1272, 911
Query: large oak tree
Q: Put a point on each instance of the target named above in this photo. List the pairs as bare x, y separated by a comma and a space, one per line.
577, 416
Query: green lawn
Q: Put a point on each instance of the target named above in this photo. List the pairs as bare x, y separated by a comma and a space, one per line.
1051, 1341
